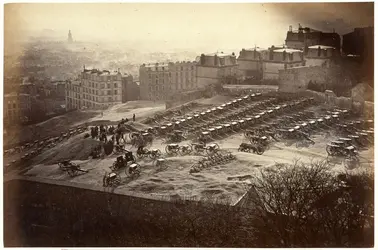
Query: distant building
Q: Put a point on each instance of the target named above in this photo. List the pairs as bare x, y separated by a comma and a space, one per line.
69, 39
94, 89
74, 95
360, 42
17, 108
250, 63
216, 68
29, 88
59, 88
158, 81
305, 37
130, 89
275, 59
320, 55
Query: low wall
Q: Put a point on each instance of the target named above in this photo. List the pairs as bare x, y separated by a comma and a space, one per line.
367, 109
245, 89
45, 214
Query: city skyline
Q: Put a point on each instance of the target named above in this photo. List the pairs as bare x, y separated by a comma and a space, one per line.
216, 25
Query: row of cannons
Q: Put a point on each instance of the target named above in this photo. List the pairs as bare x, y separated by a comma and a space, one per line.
251, 119
187, 127
355, 135
183, 127
169, 114
296, 127
129, 163
179, 129
39, 145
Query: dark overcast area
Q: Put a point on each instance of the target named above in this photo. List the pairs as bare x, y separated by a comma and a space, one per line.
343, 17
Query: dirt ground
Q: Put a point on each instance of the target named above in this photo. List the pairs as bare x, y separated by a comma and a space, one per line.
225, 183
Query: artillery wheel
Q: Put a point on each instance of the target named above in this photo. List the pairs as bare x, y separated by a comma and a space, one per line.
187, 151
259, 150
155, 156
140, 155
330, 151
116, 181
72, 172
129, 173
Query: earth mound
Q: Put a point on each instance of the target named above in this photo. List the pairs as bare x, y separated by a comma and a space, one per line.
76, 148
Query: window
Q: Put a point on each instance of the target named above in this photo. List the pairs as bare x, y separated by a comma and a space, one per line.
115, 85
102, 85
96, 92
182, 68
115, 92
110, 99
14, 105
109, 92
9, 106
108, 85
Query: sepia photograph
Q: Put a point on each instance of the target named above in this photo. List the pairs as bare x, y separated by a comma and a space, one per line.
206, 125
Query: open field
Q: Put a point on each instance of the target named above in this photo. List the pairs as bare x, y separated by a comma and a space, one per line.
224, 182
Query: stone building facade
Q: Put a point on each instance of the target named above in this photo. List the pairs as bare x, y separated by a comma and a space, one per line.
276, 59
320, 55
160, 80
94, 89
250, 63
17, 108
216, 68
305, 37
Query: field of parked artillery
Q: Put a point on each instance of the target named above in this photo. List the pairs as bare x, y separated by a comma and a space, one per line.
207, 151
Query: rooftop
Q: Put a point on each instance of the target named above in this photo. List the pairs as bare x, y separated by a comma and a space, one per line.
321, 47
219, 54
287, 50
100, 72
257, 49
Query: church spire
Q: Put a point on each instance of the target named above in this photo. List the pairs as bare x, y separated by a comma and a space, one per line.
70, 40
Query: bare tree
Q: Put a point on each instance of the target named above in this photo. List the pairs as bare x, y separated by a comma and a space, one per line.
307, 205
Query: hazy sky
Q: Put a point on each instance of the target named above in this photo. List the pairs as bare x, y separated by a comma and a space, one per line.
184, 25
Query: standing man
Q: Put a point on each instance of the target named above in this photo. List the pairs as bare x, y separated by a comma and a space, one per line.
133, 117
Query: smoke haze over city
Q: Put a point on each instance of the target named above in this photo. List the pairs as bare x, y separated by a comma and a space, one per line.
196, 26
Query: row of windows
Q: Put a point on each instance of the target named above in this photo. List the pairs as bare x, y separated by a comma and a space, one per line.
170, 74
179, 80
93, 92
102, 85
177, 68
100, 78
100, 99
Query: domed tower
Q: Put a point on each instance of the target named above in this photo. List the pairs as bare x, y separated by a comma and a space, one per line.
70, 40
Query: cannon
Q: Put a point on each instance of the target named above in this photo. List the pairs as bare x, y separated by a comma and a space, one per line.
111, 180
172, 148
133, 170
71, 168
185, 149
152, 153
246, 147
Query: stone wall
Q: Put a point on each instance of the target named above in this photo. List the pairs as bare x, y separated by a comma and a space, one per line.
297, 79
47, 214
366, 108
